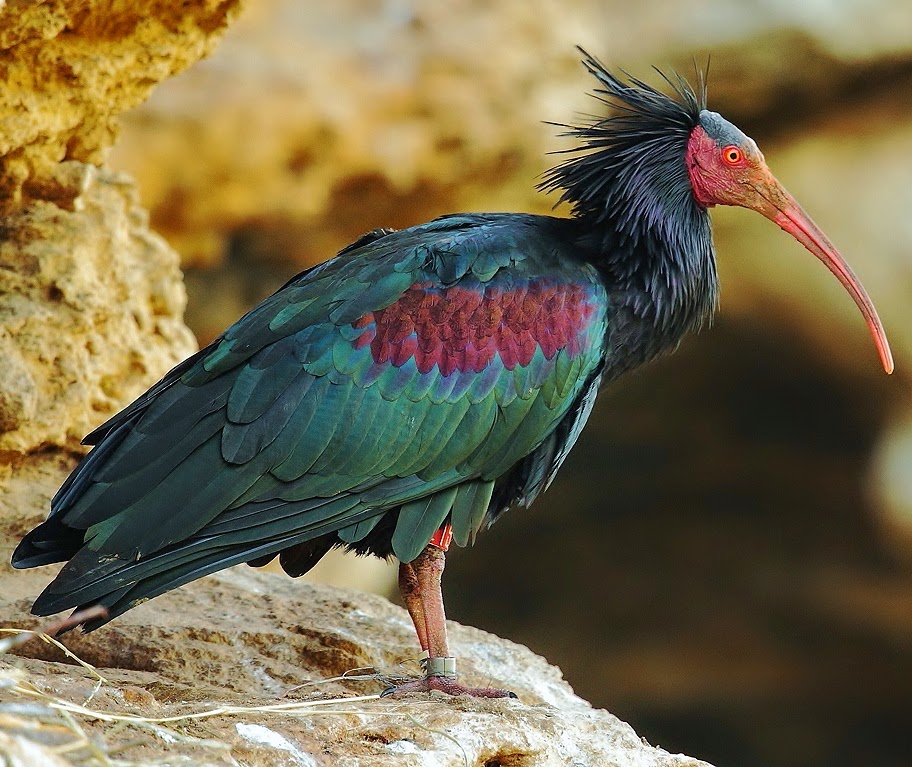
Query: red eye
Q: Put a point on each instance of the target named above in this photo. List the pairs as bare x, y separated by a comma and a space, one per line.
732, 155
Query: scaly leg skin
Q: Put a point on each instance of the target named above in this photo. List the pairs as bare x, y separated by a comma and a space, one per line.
411, 595
419, 582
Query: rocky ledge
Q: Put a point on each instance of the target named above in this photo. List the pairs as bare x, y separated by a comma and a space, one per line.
295, 670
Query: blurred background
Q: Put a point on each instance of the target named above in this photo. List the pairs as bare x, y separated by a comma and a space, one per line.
725, 560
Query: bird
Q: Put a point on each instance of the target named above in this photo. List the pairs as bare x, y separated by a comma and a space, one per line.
407, 392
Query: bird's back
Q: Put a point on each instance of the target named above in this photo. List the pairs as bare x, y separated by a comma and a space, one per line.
435, 373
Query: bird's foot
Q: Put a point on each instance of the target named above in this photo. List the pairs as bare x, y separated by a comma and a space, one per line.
448, 685
440, 675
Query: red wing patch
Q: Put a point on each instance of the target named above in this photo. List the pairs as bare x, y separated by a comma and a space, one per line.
459, 328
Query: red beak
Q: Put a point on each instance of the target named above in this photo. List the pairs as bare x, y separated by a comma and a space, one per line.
778, 205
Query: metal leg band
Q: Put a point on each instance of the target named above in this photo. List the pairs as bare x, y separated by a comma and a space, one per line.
439, 666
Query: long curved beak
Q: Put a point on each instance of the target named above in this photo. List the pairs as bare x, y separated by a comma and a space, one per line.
774, 202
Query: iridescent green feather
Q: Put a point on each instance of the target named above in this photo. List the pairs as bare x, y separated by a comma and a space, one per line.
232, 458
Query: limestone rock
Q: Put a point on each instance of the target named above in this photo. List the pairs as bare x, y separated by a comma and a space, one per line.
91, 301
329, 132
69, 67
248, 639
90, 308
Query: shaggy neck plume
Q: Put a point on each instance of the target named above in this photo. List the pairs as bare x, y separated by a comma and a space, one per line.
636, 212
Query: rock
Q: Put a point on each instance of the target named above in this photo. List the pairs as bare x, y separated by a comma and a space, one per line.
69, 68
251, 640
91, 301
91, 306
328, 132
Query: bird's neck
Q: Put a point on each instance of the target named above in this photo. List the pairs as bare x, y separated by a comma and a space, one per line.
661, 280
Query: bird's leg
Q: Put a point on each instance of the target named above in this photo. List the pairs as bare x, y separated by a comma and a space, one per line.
408, 587
419, 582
429, 571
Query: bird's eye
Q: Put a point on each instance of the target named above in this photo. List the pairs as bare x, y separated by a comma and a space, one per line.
732, 155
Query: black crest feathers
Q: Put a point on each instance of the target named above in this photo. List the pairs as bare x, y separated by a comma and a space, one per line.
633, 160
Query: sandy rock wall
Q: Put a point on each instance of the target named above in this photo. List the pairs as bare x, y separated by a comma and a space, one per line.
69, 67
91, 300
90, 308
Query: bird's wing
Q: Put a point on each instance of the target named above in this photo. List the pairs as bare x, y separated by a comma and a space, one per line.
174, 375
409, 373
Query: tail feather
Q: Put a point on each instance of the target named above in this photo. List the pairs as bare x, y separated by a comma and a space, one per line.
84, 473
50, 542
90, 579
53, 541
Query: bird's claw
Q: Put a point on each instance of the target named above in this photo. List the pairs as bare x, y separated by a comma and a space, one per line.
448, 685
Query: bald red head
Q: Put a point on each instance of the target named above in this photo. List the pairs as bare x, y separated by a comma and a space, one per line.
726, 168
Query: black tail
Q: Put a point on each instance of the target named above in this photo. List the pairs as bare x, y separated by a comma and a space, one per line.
53, 541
